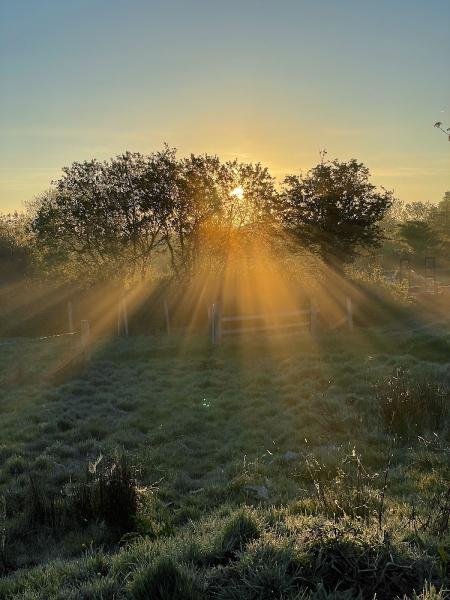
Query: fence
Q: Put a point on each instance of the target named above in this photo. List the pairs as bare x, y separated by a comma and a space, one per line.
220, 325
292, 321
418, 283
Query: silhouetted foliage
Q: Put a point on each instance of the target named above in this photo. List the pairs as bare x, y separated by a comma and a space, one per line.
126, 218
334, 210
15, 250
418, 235
209, 218
111, 219
440, 222
416, 230
105, 219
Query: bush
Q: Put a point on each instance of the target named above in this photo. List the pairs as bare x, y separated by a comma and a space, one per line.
412, 403
323, 562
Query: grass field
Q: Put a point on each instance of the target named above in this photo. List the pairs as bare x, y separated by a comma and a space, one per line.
267, 468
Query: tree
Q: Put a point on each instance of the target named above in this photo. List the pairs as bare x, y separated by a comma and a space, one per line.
418, 211
217, 207
438, 125
102, 220
419, 235
334, 210
199, 187
440, 222
15, 247
105, 220
251, 197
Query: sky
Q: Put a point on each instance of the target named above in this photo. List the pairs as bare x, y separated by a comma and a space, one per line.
273, 81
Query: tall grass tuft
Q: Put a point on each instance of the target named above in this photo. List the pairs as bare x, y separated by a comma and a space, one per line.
412, 403
45, 508
364, 566
109, 494
349, 489
166, 580
237, 533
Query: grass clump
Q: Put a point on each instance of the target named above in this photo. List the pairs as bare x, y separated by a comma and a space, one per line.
432, 515
268, 569
412, 403
44, 508
166, 580
363, 565
347, 488
109, 494
237, 533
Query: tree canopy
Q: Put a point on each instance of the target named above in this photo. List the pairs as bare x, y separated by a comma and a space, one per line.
15, 247
334, 210
123, 217
108, 218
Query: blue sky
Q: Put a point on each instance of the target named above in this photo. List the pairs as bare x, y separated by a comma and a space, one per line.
257, 79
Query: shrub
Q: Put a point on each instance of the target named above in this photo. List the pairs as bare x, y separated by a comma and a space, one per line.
412, 403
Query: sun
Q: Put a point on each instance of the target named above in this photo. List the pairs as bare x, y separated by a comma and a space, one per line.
238, 192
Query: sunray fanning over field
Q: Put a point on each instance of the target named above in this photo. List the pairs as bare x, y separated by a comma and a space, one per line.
220, 378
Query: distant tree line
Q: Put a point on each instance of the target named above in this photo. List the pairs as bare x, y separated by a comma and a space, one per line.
418, 229
136, 214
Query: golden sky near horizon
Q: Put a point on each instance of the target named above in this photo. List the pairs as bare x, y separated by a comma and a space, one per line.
259, 81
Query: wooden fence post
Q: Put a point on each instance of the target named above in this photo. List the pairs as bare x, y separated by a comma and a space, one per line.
167, 316
313, 317
349, 313
122, 316
119, 318
85, 340
125, 314
70, 316
216, 324
213, 323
